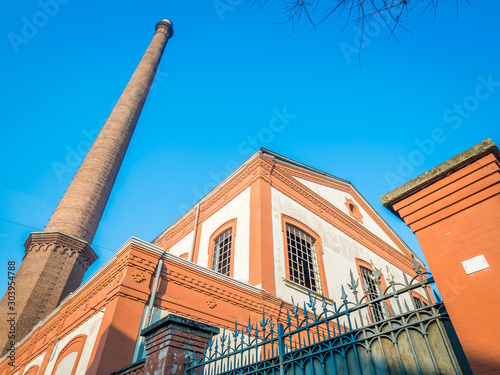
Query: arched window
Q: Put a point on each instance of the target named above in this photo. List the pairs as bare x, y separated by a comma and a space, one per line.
223, 244
221, 252
67, 361
303, 256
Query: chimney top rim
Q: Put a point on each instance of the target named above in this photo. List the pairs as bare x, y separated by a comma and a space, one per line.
166, 23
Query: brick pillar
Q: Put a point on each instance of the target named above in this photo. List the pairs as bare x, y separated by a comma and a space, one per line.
454, 210
57, 258
261, 267
171, 341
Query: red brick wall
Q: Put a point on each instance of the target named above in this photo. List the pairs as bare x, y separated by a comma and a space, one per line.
457, 218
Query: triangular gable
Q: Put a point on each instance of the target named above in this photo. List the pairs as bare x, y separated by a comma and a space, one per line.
314, 188
307, 188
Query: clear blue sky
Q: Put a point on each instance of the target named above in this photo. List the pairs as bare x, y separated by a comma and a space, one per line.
222, 79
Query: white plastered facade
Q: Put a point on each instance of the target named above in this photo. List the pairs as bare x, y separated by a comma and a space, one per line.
339, 251
238, 208
338, 198
90, 328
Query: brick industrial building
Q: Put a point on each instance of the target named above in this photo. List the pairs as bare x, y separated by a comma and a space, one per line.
274, 232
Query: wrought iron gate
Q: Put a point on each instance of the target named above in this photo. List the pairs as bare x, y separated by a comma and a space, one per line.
399, 330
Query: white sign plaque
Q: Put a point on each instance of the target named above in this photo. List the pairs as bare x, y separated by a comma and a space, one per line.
475, 264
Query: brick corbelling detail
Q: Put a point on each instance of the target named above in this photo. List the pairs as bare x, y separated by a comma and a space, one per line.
319, 206
60, 242
348, 189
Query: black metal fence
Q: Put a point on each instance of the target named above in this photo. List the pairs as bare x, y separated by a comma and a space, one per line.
402, 329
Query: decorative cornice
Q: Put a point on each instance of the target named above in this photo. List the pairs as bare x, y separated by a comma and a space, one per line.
320, 206
211, 290
320, 181
62, 243
348, 188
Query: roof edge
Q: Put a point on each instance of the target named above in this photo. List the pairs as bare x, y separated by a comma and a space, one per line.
286, 160
261, 151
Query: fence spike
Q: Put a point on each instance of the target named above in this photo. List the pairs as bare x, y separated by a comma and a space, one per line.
436, 296
366, 288
390, 276
416, 266
250, 326
343, 297
305, 312
210, 343
312, 305
354, 283
235, 333
324, 305
406, 279
375, 273
295, 307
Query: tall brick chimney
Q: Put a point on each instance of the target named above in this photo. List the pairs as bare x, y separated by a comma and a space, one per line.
57, 258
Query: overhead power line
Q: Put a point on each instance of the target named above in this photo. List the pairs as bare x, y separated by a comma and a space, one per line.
41, 230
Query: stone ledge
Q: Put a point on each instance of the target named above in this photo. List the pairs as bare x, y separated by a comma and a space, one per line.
177, 320
442, 170
305, 290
